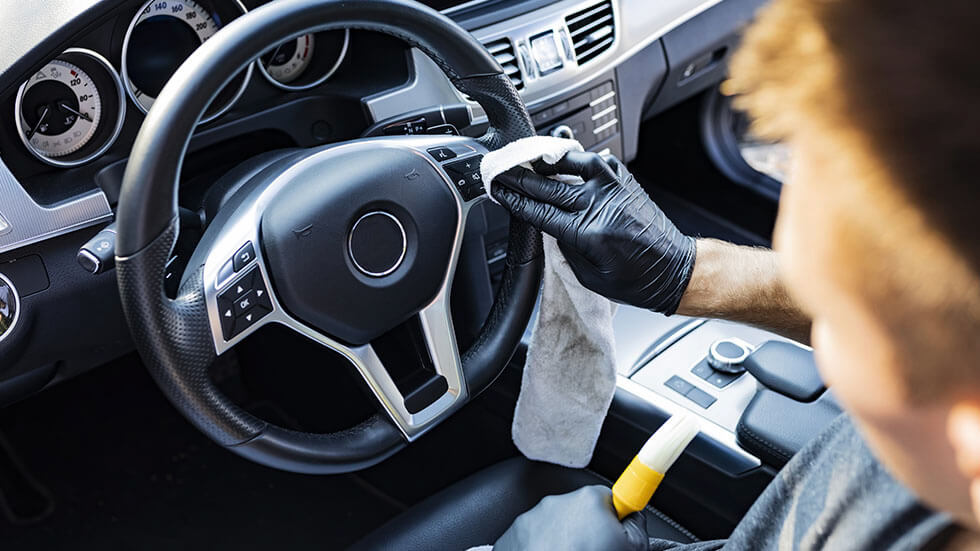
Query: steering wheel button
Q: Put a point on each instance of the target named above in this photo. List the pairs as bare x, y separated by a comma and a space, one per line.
244, 303
442, 153
249, 319
244, 255
226, 272
226, 311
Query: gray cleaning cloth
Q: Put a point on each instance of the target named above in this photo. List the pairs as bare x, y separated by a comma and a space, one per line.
570, 375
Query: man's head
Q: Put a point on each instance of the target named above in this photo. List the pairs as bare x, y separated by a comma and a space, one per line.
879, 225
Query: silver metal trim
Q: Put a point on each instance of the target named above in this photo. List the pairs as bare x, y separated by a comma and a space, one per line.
127, 84
13, 324
677, 335
709, 429
602, 98
30, 222
723, 360
319, 81
120, 113
605, 126
350, 244
435, 318
94, 259
462, 6
604, 112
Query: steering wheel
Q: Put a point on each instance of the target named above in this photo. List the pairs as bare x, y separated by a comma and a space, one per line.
341, 243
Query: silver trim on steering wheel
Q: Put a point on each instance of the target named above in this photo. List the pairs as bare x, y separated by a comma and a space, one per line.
350, 245
435, 318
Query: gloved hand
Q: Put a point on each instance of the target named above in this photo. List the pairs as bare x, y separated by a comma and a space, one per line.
583, 520
617, 240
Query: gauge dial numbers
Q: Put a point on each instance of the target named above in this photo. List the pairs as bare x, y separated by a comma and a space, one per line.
162, 35
70, 110
288, 61
306, 61
60, 109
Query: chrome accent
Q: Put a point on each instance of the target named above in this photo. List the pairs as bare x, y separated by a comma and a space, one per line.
604, 97
724, 363
13, 323
350, 244
604, 112
29, 222
563, 131
120, 114
314, 84
94, 259
128, 85
665, 343
462, 6
638, 24
435, 317
427, 87
605, 126
709, 429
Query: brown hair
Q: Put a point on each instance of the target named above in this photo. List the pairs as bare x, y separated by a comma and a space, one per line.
890, 84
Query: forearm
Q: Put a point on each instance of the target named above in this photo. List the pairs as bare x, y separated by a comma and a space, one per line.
742, 284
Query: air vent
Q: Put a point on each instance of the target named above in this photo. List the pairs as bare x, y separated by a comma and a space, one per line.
592, 30
503, 51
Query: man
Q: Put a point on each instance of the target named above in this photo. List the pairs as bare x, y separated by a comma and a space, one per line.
877, 243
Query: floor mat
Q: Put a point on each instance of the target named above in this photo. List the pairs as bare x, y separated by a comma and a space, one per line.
126, 471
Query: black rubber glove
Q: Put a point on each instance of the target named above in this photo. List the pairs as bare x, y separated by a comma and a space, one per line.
617, 240
583, 520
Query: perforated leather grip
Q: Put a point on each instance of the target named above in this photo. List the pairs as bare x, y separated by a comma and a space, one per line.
173, 335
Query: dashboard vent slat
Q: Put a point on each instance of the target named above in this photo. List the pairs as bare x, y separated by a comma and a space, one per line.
593, 31
503, 51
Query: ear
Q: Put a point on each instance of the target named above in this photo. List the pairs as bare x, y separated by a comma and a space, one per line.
963, 429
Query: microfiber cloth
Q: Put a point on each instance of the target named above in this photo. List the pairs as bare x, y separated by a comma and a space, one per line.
570, 375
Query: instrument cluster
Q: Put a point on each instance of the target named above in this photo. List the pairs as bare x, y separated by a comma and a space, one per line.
72, 110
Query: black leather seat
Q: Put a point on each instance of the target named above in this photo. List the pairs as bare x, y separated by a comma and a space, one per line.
478, 509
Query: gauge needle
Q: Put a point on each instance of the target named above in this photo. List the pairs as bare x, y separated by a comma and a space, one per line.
272, 58
44, 115
65, 107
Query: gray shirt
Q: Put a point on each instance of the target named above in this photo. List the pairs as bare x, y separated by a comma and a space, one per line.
832, 495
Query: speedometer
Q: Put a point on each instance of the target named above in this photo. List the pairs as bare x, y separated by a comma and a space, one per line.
71, 109
162, 35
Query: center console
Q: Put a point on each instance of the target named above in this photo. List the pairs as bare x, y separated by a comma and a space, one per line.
758, 395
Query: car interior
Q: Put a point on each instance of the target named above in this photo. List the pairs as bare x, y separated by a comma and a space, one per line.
252, 294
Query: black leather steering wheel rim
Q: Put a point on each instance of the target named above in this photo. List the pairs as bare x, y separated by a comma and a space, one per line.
172, 335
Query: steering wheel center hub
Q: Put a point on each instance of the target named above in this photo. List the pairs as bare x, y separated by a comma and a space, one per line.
359, 238
377, 243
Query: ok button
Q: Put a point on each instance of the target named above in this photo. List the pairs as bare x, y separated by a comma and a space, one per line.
244, 303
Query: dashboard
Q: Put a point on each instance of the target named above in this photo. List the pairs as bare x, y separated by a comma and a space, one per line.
79, 77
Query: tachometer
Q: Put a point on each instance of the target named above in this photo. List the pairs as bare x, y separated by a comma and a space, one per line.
60, 108
288, 61
71, 109
162, 35
305, 62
